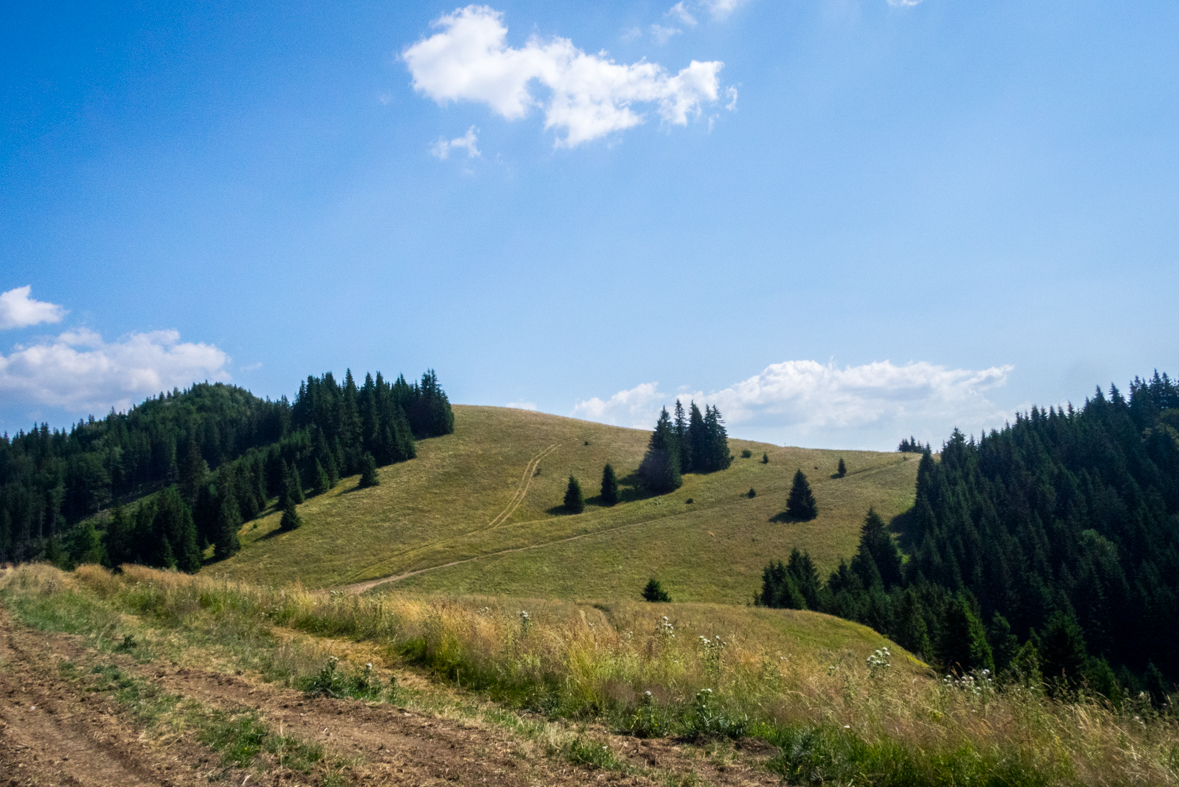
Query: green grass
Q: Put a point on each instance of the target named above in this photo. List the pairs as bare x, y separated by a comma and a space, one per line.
442, 507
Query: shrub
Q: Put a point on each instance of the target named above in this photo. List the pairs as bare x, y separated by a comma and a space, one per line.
746, 454
765, 458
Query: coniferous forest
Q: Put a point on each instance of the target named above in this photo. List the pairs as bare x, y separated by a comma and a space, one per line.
1051, 545
200, 462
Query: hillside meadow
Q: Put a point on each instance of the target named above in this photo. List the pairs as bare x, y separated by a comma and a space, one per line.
487, 500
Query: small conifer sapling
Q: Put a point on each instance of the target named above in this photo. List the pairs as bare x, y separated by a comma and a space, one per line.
655, 592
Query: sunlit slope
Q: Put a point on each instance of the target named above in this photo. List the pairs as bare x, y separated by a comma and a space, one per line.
497, 483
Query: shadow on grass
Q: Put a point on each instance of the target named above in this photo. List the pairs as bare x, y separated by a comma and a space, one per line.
783, 517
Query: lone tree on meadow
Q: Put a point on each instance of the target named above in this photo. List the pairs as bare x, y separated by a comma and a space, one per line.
765, 458
801, 504
655, 592
609, 486
574, 500
368, 471
842, 470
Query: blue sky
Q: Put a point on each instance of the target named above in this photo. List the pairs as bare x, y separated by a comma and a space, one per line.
843, 222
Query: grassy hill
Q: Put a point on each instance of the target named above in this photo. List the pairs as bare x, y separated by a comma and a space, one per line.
479, 512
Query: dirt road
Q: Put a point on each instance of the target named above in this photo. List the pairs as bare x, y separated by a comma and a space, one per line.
56, 729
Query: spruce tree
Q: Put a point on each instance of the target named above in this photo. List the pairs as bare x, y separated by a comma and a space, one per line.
609, 486
660, 468
322, 482
229, 520
698, 442
964, 640
876, 543
654, 592
574, 500
1062, 652
765, 458
801, 504
681, 437
842, 469
368, 471
290, 517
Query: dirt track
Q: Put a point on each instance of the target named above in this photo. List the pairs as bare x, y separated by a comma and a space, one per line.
53, 732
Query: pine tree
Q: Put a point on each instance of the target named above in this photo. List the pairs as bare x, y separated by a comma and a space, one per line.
681, 438
697, 443
229, 520
660, 468
877, 544
1062, 652
1004, 644
368, 471
654, 592
574, 500
765, 458
801, 504
964, 640
322, 482
842, 469
609, 486
290, 517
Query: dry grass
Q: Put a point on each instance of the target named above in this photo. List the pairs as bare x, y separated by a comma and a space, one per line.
801, 679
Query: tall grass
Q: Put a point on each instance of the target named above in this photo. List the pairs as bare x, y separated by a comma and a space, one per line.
837, 711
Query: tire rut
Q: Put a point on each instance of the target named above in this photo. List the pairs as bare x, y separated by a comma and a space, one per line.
517, 498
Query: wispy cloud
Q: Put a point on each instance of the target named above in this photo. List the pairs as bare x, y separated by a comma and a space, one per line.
468, 142
904, 3
18, 310
80, 372
681, 13
663, 34
814, 403
522, 405
720, 9
588, 96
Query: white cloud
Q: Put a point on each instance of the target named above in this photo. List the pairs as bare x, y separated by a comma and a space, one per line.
663, 34
441, 149
635, 407
522, 405
80, 372
904, 3
18, 310
681, 13
588, 96
720, 9
806, 402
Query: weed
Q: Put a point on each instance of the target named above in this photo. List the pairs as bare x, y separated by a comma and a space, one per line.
592, 754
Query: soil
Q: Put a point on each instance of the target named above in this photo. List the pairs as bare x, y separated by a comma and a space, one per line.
53, 733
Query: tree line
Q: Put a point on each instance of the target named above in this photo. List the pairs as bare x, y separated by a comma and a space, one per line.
1052, 544
204, 459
